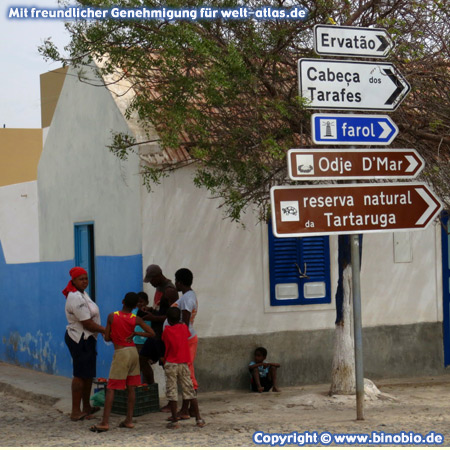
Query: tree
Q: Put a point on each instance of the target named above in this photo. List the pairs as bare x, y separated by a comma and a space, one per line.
226, 91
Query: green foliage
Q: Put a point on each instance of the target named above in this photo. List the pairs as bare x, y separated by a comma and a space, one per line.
226, 91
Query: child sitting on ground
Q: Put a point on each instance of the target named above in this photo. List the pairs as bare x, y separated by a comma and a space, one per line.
176, 358
263, 373
124, 372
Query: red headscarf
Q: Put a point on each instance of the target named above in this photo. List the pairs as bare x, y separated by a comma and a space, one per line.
74, 272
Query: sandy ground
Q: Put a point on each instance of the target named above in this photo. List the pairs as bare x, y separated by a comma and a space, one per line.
420, 405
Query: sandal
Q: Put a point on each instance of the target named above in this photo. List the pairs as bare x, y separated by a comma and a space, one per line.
96, 429
200, 423
173, 425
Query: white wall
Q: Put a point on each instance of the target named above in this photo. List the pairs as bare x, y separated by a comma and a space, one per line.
19, 227
183, 228
79, 179
402, 292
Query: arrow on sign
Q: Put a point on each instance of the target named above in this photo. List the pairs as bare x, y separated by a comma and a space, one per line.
351, 209
384, 43
351, 164
397, 82
413, 163
351, 85
386, 130
354, 129
352, 41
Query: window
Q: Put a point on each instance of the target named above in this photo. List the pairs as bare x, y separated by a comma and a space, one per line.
85, 253
299, 270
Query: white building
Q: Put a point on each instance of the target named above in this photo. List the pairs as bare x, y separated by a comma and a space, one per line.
87, 207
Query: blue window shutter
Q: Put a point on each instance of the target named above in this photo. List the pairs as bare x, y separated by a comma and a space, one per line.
287, 257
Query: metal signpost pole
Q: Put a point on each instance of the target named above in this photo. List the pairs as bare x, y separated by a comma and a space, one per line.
357, 326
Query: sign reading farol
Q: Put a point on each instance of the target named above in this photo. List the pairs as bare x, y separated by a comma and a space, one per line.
351, 85
352, 129
348, 209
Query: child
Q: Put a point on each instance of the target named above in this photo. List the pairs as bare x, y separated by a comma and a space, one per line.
124, 372
264, 374
141, 311
176, 357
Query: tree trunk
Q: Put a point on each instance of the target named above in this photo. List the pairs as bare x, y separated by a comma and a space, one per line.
343, 370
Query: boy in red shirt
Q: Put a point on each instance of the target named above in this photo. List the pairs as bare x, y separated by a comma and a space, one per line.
124, 372
176, 358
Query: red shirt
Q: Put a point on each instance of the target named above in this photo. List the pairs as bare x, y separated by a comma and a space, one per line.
175, 338
122, 326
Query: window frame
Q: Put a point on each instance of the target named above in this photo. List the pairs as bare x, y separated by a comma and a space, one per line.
78, 258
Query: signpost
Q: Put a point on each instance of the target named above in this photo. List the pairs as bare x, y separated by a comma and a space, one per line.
352, 41
351, 85
357, 208
352, 129
349, 209
348, 164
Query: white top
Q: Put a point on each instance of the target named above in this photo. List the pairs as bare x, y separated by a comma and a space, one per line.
80, 307
189, 303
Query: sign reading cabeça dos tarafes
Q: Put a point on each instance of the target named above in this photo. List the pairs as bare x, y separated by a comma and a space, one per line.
351, 85
351, 209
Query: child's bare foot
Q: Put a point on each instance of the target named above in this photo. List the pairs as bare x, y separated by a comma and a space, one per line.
165, 408
275, 389
260, 389
184, 414
76, 418
125, 424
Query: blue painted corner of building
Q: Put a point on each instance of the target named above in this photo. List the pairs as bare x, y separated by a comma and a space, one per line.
33, 320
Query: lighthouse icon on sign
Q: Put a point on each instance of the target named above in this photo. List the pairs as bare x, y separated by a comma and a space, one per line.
328, 129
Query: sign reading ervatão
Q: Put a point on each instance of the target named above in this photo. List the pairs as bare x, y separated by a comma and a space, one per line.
350, 209
352, 41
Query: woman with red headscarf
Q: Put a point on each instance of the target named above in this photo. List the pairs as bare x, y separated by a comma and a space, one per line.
83, 317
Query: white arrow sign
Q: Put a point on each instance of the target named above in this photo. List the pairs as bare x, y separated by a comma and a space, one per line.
351, 85
386, 130
431, 206
413, 163
352, 41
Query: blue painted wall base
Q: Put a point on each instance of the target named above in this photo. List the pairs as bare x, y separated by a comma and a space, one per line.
32, 318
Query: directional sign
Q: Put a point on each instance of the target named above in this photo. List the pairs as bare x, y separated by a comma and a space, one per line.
352, 129
351, 209
352, 41
351, 164
351, 85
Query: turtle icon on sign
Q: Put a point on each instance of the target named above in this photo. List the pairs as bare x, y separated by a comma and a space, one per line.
290, 211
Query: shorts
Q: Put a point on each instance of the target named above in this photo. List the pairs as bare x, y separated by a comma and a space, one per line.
178, 373
84, 356
124, 369
266, 383
153, 349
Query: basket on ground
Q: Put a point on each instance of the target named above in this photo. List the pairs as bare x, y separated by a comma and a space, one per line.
147, 400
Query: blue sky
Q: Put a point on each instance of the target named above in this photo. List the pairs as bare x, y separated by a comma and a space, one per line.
22, 64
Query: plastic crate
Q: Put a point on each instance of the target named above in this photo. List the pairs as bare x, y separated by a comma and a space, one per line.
147, 400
